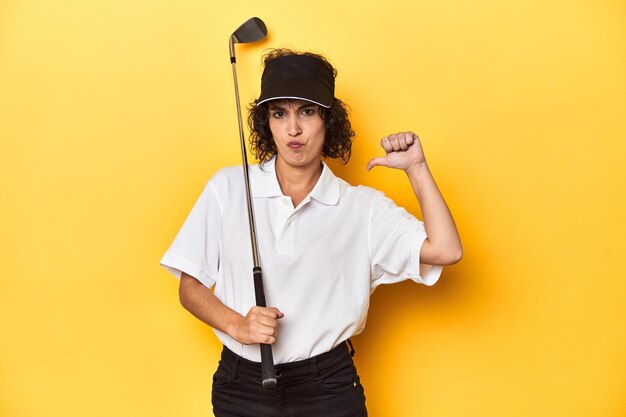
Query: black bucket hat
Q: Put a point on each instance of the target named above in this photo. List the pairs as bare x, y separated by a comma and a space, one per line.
300, 77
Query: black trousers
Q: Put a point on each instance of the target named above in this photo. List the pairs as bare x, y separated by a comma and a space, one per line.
326, 385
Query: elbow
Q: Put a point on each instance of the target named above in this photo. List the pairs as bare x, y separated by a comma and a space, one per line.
450, 256
442, 254
454, 257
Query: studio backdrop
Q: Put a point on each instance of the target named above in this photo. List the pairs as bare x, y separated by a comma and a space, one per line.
114, 114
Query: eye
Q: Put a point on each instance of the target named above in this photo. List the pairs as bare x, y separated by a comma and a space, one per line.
277, 114
309, 111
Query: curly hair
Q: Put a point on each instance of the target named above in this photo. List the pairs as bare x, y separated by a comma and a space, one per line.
338, 129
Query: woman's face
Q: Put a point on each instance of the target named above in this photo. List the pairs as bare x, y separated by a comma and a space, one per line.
298, 131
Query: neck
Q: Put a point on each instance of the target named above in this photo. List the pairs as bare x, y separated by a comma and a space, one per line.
297, 181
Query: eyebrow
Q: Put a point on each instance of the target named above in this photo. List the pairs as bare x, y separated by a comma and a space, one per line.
281, 108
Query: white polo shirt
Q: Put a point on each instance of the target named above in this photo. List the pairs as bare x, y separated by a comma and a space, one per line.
320, 260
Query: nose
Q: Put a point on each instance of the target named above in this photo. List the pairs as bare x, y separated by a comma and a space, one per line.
294, 128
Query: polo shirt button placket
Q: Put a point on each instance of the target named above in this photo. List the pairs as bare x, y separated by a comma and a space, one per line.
284, 212
285, 244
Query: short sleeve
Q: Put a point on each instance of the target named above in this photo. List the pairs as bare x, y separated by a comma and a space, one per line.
196, 248
396, 238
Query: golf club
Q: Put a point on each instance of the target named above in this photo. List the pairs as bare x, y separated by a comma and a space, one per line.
251, 31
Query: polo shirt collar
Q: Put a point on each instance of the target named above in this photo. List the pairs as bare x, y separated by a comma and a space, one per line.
264, 184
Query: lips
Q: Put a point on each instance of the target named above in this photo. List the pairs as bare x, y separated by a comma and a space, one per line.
295, 144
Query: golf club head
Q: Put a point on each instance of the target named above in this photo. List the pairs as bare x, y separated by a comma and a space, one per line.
252, 30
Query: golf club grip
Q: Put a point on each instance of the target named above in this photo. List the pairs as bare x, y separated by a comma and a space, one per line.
259, 293
268, 373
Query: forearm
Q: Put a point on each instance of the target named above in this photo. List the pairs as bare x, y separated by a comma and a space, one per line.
204, 305
443, 245
258, 326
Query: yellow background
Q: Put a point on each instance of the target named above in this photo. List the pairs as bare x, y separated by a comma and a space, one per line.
113, 114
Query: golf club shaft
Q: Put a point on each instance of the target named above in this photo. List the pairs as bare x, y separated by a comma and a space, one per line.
268, 373
246, 176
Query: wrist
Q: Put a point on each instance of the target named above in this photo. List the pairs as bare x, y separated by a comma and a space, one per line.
417, 169
232, 328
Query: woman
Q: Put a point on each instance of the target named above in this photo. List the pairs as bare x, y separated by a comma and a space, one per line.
324, 246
